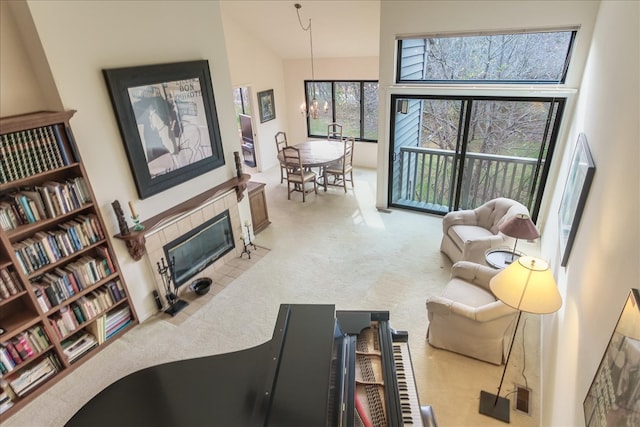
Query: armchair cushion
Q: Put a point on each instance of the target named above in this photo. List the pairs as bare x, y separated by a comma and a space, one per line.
467, 318
467, 234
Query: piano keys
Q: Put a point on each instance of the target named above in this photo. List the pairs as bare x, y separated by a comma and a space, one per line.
310, 372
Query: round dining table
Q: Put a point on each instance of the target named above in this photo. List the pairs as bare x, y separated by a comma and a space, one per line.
318, 153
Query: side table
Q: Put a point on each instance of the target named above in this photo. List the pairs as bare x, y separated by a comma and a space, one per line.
501, 257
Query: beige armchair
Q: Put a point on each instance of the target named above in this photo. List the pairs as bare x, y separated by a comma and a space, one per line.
467, 234
467, 318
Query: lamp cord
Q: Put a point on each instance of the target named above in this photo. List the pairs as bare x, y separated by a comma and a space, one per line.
308, 28
524, 354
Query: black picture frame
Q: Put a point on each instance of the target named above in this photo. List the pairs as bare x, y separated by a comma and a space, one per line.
574, 197
167, 118
612, 399
266, 105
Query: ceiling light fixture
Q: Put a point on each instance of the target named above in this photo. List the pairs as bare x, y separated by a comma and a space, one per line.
313, 110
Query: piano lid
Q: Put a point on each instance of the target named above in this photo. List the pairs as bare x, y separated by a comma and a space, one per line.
283, 382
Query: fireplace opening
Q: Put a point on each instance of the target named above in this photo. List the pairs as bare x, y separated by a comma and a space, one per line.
196, 250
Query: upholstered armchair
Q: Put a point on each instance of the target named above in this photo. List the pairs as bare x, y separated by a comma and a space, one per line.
467, 234
467, 318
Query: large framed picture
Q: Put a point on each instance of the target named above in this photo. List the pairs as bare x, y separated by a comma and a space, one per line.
614, 396
574, 197
266, 105
168, 121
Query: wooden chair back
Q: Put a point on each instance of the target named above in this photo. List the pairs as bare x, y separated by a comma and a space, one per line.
281, 140
334, 131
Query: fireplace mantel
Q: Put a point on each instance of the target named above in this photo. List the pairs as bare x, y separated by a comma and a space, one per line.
135, 240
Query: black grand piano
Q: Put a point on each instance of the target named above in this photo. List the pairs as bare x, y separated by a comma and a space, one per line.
321, 368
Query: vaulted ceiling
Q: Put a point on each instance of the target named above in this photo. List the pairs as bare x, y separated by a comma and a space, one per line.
340, 28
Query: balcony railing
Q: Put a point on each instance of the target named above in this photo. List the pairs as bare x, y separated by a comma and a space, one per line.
424, 178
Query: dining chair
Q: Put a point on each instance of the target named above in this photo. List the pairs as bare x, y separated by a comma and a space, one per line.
281, 142
296, 174
341, 171
334, 132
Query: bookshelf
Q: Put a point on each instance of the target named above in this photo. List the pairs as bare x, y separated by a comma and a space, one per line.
62, 294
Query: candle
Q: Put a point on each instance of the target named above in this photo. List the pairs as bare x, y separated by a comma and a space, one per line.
133, 211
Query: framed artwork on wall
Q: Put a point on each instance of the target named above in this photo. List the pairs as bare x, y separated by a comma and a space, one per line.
576, 189
168, 122
614, 396
266, 105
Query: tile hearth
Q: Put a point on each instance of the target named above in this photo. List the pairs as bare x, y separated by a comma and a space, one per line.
231, 270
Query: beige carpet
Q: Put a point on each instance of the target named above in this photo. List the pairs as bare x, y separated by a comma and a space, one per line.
336, 248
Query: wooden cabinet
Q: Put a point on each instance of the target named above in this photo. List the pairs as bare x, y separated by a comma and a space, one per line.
258, 204
62, 294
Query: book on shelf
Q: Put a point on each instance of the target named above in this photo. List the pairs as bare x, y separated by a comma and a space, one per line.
35, 375
97, 329
78, 344
37, 334
66, 159
4, 290
5, 402
49, 155
41, 297
9, 359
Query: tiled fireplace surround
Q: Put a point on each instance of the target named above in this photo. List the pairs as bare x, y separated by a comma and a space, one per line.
171, 228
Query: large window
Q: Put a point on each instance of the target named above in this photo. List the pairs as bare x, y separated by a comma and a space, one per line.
352, 103
522, 57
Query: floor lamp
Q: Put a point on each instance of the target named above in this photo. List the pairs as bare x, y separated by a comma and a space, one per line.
526, 285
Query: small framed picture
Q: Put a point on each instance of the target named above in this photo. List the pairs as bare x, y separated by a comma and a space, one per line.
266, 106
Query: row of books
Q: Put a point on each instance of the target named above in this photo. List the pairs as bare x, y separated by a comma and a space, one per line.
87, 307
49, 200
22, 347
61, 283
9, 283
115, 321
35, 375
29, 152
5, 401
78, 345
47, 247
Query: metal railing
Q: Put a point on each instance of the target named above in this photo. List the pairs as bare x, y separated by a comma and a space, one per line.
425, 178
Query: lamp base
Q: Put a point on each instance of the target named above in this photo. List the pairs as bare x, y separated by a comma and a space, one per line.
496, 409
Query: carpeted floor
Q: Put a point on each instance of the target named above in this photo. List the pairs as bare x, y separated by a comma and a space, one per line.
336, 248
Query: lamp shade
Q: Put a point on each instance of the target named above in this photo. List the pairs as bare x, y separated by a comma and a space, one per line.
527, 285
519, 226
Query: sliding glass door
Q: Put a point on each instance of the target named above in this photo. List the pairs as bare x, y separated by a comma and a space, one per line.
451, 153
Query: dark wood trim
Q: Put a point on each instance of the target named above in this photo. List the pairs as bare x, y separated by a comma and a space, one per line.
38, 119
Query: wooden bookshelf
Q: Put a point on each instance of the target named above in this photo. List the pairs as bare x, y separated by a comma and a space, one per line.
60, 282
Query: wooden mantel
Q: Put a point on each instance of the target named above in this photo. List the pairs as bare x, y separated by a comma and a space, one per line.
135, 240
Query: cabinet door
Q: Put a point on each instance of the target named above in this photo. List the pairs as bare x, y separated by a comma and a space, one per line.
258, 205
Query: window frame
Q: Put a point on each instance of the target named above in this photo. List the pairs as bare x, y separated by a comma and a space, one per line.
332, 107
561, 81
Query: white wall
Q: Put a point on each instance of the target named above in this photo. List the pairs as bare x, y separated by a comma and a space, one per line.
603, 265
254, 65
79, 39
21, 90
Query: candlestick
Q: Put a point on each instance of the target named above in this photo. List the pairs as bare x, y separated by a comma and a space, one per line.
136, 223
133, 211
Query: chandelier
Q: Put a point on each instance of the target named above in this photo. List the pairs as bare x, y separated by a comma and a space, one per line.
313, 109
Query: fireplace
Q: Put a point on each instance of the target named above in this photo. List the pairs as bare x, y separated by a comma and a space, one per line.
169, 230
200, 247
